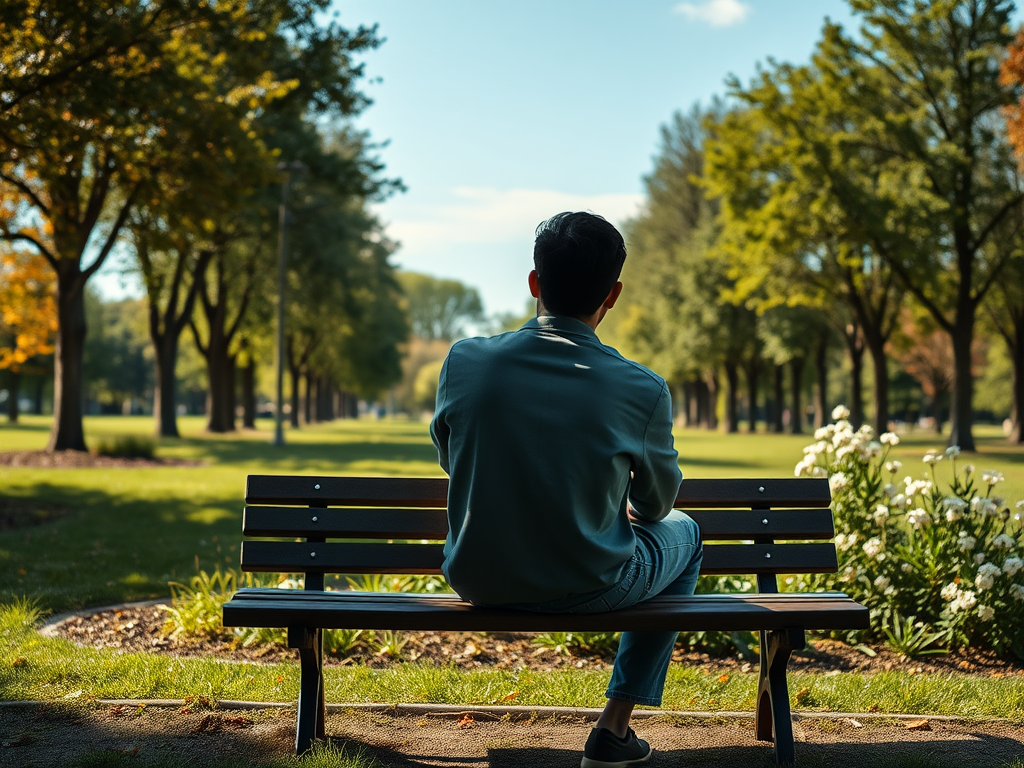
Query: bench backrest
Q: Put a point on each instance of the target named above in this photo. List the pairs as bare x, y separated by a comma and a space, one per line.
753, 516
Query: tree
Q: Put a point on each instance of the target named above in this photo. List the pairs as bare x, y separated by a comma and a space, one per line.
75, 155
439, 309
28, 317
922, 91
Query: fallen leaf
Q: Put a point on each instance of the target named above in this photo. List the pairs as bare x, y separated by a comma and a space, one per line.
508, 697
238, 721
723, 678
280, 679
421, 723
918, 725
856, 723
21, 661
466, 721
873, 708
802, 695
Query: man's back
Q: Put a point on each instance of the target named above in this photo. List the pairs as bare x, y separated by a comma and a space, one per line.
539, 431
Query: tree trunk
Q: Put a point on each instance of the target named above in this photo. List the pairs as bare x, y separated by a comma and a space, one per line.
165, 400
13, 393
821, 413
295, 374
753, 374
219, 418
961, 416
68, 433
308, 405
249, 394
713, 387
691, 393
937, 403
232, 393
777, 394
701, 396
1017, 378
732, 385
876, 346
856, 350
796, 371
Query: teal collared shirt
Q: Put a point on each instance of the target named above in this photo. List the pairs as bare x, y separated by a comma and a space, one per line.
539, 430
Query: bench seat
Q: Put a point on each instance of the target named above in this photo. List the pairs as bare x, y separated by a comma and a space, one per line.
254, 607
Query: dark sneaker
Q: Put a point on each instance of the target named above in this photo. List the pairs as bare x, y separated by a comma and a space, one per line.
606, 750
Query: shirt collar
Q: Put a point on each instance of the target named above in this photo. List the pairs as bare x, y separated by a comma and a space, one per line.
562, 324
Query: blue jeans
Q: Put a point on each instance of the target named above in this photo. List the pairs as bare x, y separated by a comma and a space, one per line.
666, 562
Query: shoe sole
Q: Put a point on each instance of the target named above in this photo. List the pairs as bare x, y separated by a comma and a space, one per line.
588, 762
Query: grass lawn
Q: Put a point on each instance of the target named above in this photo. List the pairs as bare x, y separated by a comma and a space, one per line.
127, 532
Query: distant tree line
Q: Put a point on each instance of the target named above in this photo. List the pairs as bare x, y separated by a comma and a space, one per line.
867, 205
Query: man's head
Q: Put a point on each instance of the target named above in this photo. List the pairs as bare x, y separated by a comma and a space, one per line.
577, 258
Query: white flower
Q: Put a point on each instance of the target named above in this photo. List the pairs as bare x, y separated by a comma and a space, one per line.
918, 518
893, 466
1017, 590
845, 451
819, 472
882, 582
290, 584
880, 515
889, 490
841, 437
889, 438
804, 467
824, 433
949, 591
840, 412
992, 477
1012, 566
838, 481
986, 577
849, 574
915, 487
899, 500
953, 451
966, 600
1020, 505
986, 613
907, 568
979, 558
932, 458
872, 547
1004, 541
984, 506
965, 542
871, 449
968, 469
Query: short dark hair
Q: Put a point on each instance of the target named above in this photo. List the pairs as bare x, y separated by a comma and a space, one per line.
578, 257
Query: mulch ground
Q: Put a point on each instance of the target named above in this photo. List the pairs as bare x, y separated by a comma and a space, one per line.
83, 460
141, 629
34, 737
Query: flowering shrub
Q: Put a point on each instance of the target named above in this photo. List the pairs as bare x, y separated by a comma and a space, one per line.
945, 553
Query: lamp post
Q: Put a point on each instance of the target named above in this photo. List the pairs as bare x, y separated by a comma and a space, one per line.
282, 223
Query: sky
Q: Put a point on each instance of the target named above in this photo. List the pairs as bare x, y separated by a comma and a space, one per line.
499, 113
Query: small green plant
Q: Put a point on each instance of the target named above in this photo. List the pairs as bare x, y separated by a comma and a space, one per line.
388, 643
344, 642
195, 608
126, 447
381, 582
588, 642
911, 638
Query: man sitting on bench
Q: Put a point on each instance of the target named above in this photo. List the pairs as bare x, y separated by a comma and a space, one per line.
563, 472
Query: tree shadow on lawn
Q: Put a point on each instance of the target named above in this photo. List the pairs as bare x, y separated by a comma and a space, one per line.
114, 548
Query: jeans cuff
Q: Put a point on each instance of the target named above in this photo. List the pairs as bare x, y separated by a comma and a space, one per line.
645, 701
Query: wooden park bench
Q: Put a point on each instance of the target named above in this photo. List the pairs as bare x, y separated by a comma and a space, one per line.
397, 526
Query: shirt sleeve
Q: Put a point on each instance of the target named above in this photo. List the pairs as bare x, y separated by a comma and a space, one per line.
439, 429
655, 484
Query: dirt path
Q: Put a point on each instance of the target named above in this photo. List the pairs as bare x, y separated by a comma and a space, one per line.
34, 736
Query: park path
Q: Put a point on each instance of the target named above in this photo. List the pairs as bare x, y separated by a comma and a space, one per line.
34, 736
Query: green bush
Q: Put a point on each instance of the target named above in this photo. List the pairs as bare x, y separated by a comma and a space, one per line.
126, 447
937, 560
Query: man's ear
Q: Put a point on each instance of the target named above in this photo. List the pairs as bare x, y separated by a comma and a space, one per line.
534, 284
613, 295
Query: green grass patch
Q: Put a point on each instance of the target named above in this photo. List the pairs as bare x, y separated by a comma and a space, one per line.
34, 667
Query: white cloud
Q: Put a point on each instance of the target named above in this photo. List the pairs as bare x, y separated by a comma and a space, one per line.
717, 13
483, 215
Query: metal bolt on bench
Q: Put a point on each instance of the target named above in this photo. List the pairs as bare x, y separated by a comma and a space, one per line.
384, 514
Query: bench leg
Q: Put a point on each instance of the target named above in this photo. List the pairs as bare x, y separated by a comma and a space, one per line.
773, 720
312, 705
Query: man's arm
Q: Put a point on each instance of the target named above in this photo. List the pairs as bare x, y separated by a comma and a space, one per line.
439, 430
655, 484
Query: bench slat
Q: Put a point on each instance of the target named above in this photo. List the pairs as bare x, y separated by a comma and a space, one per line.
715, 493
380, 523
345, 610
334, 557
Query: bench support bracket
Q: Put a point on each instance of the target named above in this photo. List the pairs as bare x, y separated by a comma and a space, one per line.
774, 720
312, 708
